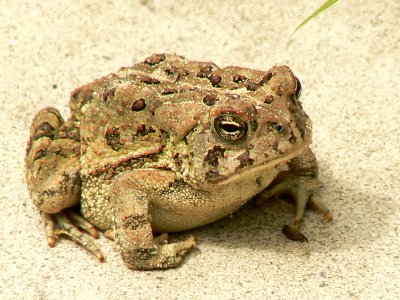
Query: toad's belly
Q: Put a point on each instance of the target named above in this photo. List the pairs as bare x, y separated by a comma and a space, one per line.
183, 207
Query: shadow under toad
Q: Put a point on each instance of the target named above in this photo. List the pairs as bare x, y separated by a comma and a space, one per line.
359, 218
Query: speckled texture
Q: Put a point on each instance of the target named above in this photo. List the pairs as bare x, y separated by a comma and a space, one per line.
347, 61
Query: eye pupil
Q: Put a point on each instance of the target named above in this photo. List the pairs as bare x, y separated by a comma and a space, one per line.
230, 128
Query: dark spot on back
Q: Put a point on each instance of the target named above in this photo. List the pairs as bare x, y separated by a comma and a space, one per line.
171, 70
169, 91
154, 59
140, 127
266, 78
149, 80
138, 105
251, 86
205, 72
215, 80
239, 78
210, 100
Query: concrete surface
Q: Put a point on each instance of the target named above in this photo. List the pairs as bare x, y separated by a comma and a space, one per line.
349, 63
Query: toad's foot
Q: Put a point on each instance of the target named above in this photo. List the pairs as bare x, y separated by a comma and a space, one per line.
304, 196
67, 222
161, 256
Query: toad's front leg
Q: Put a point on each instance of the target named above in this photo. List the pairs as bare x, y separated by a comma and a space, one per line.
301, 183
132, 194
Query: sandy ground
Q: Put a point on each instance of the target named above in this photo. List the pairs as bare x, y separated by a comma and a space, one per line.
348, 62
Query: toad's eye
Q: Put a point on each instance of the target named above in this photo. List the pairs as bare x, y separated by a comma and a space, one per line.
298, 88
230, 128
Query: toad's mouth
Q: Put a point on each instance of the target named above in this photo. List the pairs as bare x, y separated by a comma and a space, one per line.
255, 169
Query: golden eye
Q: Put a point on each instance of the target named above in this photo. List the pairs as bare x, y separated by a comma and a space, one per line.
230, 128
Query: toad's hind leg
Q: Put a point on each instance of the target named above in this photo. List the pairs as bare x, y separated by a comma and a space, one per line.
52, 174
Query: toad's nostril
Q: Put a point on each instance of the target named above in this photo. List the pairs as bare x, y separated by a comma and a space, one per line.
275, 126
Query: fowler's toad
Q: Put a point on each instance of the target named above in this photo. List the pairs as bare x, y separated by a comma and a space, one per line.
167, 145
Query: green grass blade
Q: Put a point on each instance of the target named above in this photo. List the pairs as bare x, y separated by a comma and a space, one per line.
323, 7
